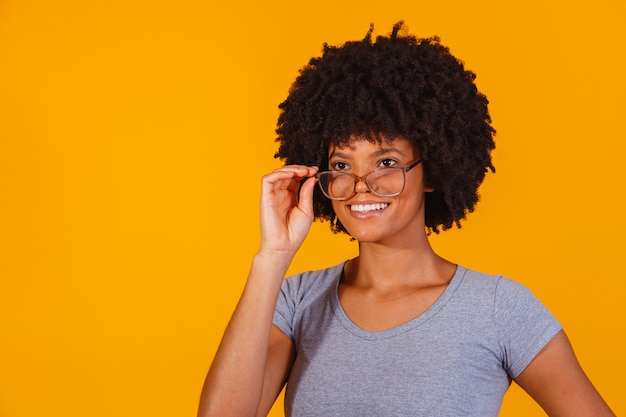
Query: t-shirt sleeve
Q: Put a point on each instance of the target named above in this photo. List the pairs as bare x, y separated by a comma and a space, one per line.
284, 315
523, 325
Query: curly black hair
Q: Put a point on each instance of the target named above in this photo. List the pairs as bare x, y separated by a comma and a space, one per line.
399, 85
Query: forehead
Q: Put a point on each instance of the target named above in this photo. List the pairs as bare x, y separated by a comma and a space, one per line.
379, 145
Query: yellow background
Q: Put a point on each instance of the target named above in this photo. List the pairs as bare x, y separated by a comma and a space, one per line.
133, 135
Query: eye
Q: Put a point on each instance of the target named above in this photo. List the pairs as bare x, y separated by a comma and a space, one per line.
339, 166
387, 163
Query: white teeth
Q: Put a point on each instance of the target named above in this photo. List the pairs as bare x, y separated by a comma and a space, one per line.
363, 208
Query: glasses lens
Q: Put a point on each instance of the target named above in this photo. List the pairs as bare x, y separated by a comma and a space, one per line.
386, 182
336, 185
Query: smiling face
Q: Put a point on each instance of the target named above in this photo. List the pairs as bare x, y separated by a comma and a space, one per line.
369, 217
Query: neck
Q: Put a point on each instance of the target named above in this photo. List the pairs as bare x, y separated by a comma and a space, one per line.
386, 267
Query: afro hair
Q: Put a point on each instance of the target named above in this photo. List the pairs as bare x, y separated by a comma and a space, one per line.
399, 85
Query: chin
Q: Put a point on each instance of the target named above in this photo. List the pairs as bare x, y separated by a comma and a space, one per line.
364, 236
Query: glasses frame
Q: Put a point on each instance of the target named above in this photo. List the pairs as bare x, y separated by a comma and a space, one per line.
363, 178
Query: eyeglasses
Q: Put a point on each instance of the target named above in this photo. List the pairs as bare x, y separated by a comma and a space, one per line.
383, 182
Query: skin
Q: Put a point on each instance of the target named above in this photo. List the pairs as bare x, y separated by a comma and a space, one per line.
397, 275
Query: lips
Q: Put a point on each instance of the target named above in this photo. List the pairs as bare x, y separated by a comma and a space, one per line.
366, 208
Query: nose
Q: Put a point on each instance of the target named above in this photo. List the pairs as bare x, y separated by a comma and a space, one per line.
360, 186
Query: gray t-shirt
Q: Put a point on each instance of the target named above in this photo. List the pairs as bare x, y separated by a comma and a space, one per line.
455, 359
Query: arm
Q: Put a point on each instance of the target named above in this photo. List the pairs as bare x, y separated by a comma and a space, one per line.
254, 358
557, 382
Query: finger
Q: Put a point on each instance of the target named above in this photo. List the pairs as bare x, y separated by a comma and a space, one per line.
289, 173
306, 196
301, 170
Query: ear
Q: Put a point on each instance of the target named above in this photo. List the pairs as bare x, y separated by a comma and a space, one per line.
428, 188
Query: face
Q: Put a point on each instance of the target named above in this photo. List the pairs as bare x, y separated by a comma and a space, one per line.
371, 218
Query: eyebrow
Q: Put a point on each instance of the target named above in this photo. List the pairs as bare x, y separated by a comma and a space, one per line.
380, 152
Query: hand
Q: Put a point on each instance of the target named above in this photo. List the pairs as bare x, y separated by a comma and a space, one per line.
285, 219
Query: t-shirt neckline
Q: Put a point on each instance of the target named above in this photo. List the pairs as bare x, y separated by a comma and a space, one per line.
431, 311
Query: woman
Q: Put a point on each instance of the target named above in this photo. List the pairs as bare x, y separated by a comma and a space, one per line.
404, 140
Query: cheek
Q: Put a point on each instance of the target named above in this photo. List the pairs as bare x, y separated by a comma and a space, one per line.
336, 206
341, 211
415, 201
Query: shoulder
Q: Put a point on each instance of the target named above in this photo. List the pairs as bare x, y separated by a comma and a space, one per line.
309, 283
477, 288
510, 298
500, 297
495, 287
302, 294
522, 324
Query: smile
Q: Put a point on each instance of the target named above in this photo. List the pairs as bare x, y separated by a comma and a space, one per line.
364, 208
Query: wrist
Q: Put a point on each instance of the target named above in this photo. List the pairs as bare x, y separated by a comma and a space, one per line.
274, 257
